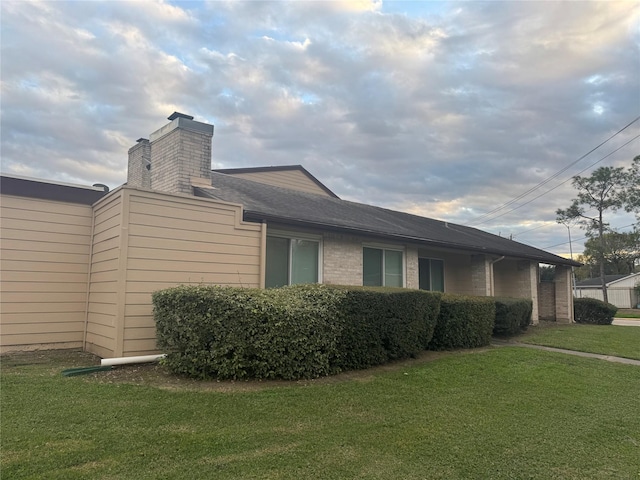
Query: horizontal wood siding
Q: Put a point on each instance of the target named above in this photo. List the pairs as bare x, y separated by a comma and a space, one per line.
102, 313
175, 240
45, 266
628, 282
620, 297
292, 179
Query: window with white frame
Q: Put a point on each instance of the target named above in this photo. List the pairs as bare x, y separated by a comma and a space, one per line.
382, 267
431, 274
291, 260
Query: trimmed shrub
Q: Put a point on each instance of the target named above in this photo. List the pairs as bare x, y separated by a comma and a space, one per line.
593, 311
513, 315
303, 331
227, 332
464, 322
385, 324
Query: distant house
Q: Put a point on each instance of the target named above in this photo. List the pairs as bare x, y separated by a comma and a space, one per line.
79, 264
620, 289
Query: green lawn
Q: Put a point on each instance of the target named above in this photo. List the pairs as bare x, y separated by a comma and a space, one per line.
628, 313
616, 340
497, 413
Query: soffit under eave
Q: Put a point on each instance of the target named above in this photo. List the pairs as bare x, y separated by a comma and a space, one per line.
259, 217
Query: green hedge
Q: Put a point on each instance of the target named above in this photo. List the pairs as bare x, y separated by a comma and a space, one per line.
229, 332
293, 332
464, 322
513, 315
385, 324
594, 311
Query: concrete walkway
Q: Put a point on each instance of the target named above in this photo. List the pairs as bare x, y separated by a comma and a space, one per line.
609, 358
626, 321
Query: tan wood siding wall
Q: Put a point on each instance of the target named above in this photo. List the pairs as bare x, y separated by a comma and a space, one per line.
102, 312
292, 179
44, 264
175, 240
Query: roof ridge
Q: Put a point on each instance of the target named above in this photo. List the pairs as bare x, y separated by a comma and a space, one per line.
263, 202
276, 168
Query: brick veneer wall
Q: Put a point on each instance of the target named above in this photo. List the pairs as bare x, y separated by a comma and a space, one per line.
342, 259
480, 275
138, 175
564, 295
517, 279
178, 156
412, 266
547, 301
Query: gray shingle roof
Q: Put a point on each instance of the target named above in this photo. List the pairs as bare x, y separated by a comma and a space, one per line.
591, 282
47, 190
281, 168
269, 203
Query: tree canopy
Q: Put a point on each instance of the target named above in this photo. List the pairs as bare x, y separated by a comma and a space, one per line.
621, 254
632, 194
606, 190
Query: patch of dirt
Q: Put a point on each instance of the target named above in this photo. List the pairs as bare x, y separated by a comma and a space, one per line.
158, 376
67, 358
154, 374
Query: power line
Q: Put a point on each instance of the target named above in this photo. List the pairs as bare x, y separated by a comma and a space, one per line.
558, 185
544, 182
545, 225
548, 224
532, 229
584, 238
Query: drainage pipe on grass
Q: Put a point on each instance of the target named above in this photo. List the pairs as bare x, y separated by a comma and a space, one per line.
128, 360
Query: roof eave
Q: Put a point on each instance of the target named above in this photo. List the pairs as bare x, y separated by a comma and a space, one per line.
251, 215
49, 190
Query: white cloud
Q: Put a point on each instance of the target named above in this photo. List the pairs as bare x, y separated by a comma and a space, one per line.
448, 112
356, 5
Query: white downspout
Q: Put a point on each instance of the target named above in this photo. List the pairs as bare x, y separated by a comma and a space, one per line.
492, 286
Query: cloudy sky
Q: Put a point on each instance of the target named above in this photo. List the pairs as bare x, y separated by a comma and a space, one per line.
448, 110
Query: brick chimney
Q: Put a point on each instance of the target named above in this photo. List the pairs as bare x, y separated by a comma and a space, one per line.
139, 171
172, 156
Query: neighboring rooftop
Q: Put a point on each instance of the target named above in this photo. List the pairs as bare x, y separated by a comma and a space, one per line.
275, 204
51, 190
254, 173
596, 282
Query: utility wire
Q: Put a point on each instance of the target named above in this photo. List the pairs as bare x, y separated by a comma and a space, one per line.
558, 185
545, 225
548, 224
544, 182
532, 229
583, 238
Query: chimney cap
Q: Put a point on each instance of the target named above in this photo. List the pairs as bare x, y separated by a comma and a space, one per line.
175, 115
102, 186
141, 140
